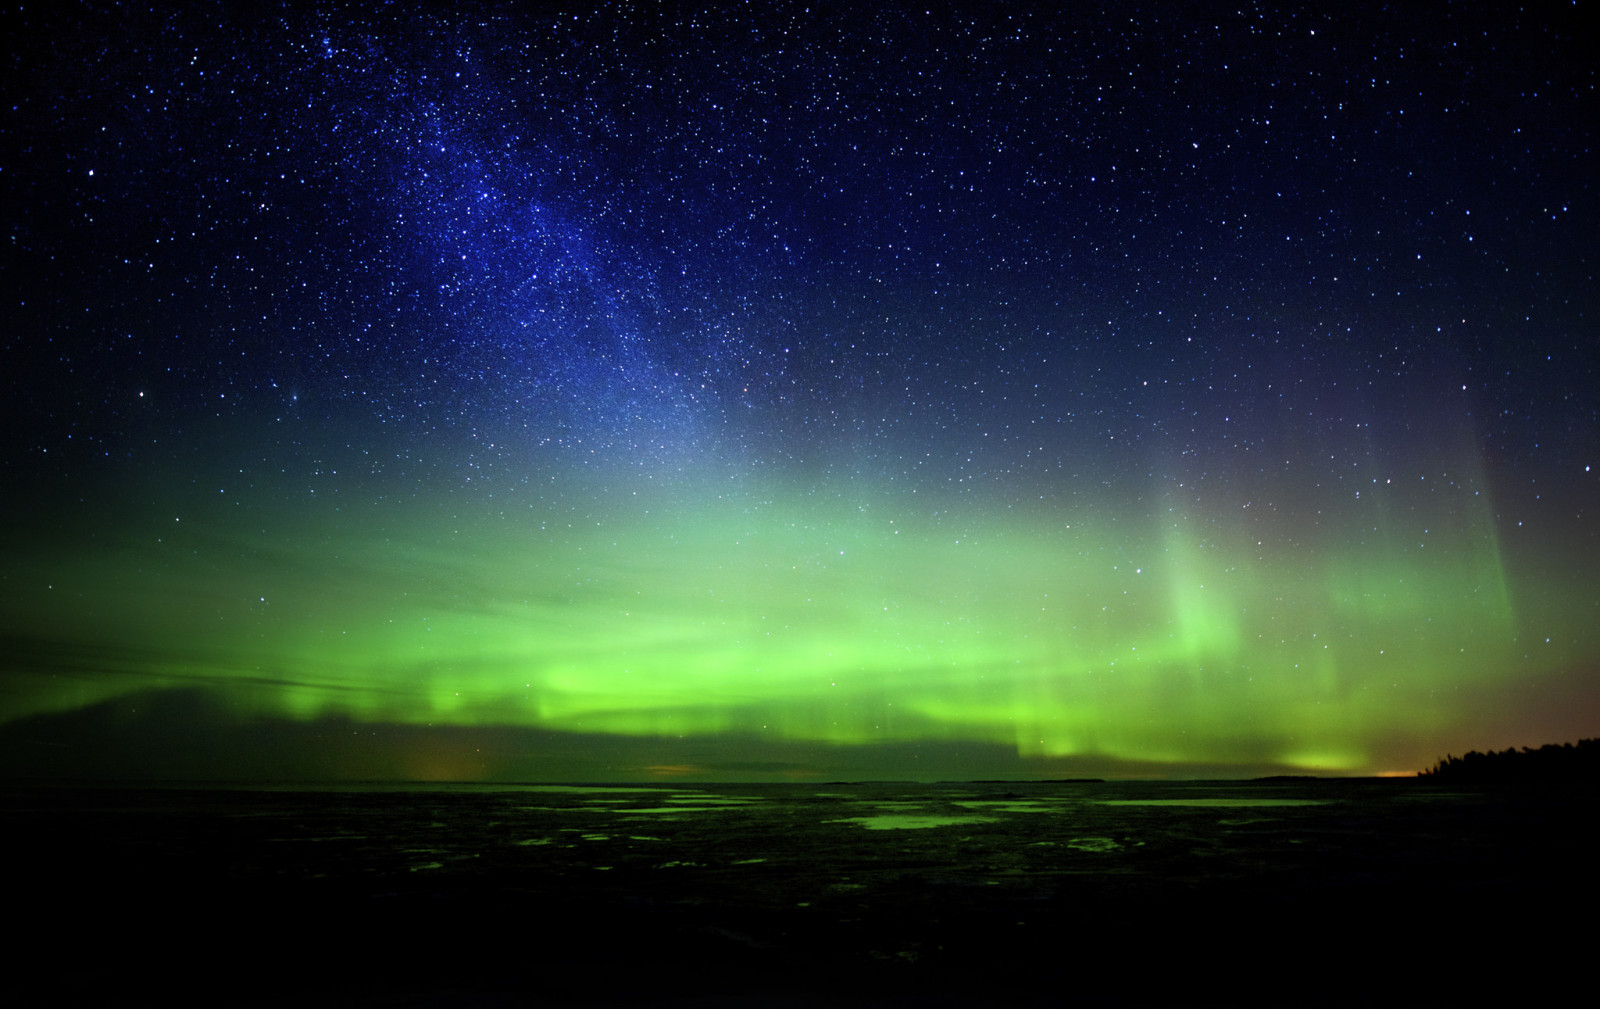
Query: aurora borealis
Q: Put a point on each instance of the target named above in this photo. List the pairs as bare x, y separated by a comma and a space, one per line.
608, 393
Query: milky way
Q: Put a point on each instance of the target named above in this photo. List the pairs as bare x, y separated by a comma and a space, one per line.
979, 392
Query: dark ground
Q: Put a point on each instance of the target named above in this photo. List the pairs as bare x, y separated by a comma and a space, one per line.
1269, 892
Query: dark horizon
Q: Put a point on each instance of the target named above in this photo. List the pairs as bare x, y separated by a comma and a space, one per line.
111, 743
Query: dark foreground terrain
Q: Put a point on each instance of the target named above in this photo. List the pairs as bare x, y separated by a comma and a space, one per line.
1284, 892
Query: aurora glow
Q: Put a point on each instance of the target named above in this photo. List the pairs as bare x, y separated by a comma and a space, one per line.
1237, 517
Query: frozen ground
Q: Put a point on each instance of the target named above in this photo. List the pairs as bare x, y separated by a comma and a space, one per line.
870, 894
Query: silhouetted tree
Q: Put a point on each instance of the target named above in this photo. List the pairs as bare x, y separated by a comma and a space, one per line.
1552, 762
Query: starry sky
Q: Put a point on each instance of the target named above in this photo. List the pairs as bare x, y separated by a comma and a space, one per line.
785, 392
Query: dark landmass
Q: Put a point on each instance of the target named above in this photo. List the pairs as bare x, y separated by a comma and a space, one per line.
883, 894
1029, 781
1566, 763
184, 734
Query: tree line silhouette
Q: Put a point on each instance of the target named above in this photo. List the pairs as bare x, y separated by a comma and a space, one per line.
1565, 762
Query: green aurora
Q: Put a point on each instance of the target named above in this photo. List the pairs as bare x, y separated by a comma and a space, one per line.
1155, 632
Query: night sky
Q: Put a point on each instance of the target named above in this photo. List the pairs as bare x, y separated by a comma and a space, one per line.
831, 392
